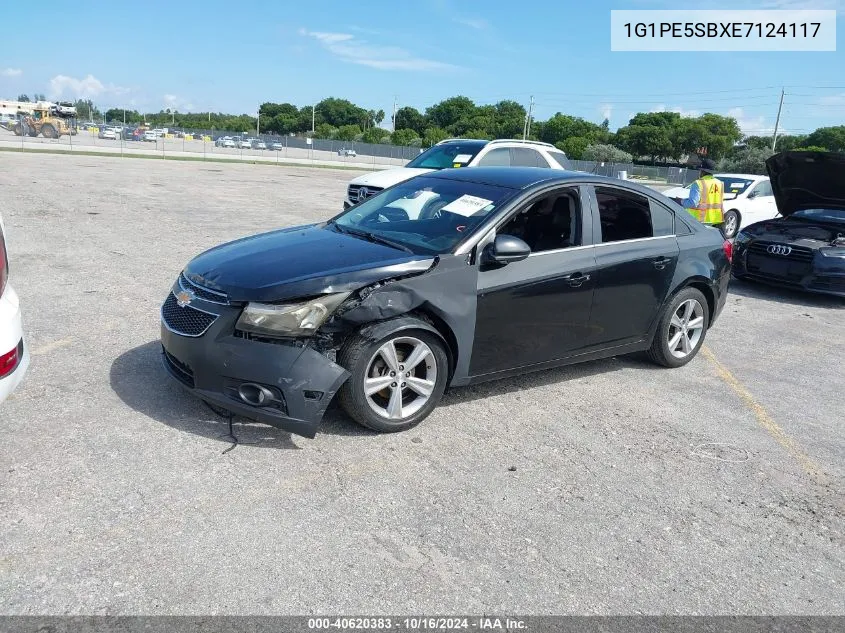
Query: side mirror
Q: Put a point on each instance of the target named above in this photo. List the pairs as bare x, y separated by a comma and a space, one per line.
505, 249
752, 195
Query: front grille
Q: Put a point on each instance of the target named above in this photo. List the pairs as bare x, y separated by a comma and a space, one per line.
797, 254
186, 321
202, 292
184, 373
354, 190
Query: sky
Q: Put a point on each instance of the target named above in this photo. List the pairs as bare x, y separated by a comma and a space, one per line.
230, 57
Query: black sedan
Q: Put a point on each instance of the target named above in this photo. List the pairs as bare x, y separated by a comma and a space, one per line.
446, 279
804, 249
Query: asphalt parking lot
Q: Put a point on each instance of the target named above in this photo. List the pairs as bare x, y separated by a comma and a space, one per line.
612, 487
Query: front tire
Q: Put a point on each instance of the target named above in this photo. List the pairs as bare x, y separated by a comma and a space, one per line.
48, 131
396, 381
681, 330
730, 224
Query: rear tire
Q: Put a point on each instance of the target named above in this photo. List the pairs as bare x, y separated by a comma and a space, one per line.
730, 224
401, 403
48, 131
681, 330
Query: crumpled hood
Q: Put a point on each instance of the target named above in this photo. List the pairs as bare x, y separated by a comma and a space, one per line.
388, 177
807, 180
299, 262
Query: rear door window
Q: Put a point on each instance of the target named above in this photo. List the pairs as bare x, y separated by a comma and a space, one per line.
527, 157
499, 157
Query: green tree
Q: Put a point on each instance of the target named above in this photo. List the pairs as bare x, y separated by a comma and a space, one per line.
450, 111
645, 140
688, 136
574, 146
562, 126
347, 132
324, 130
376, 135
434, 135
405, 137
409, 118
789, 141
604, 153
24, 98
340, 112
833, 138
748, 160
722, 133
509, 119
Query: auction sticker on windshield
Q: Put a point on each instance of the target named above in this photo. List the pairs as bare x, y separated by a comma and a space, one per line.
466, 205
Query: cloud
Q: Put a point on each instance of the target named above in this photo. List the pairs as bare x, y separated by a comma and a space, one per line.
480, 24
11, 72
682, 111
89, 87
175, 102
753, 125
349, 48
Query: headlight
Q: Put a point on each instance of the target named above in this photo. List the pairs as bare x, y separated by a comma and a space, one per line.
835, 251
292, 319
742, 237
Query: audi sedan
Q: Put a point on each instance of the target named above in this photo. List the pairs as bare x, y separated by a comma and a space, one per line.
444, 280
804, 249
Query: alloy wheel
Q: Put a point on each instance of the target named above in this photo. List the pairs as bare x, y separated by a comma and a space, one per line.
730, 224
400, 378
686, 328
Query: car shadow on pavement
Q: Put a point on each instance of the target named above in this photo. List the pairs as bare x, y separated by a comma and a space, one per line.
139, 379
754, 290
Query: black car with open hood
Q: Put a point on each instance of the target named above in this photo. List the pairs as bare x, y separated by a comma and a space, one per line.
805, 248
446, 279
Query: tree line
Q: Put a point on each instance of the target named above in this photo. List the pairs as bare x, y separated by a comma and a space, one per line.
657, 137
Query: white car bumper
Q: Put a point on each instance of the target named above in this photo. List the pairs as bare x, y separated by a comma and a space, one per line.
11, 335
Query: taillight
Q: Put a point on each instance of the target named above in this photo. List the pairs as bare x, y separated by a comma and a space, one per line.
4, 263
9, 361
728, 247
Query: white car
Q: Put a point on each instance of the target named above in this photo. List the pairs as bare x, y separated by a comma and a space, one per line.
277, 147
260, 145
110, 133
14, 354
748, 199
225, 141
152, 135
459, 152
245, 143
347, 152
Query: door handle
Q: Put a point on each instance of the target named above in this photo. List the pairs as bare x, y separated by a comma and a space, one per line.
576, 279
661, 262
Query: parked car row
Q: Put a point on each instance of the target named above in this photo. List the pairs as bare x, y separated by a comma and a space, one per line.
247, 142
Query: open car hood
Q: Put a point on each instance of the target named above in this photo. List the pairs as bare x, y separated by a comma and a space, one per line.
807, 180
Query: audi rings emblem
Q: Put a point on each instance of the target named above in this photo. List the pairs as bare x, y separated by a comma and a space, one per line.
779, 249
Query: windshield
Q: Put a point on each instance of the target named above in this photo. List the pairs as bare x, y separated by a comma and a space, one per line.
447, 155
821, 215
427, 215
733, 185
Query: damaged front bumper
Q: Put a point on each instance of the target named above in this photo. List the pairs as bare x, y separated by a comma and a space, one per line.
222, 367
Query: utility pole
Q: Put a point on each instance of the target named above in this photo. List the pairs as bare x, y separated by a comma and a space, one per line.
526, 130
777, 121
313, 117
395, 99
257, 119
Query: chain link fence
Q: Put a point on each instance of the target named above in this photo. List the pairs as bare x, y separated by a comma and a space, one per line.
680, 176
217, 144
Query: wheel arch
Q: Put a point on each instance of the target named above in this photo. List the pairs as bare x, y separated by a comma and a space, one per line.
700, 283
418, 319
